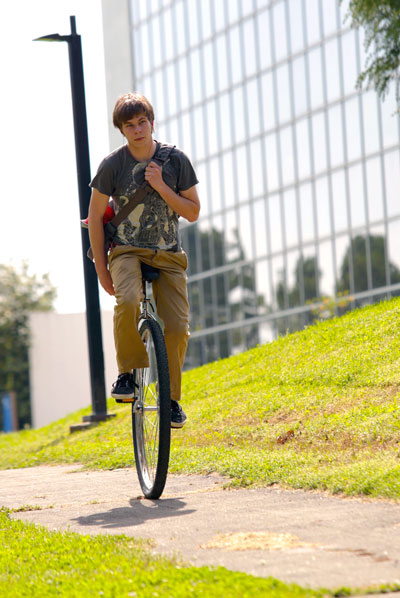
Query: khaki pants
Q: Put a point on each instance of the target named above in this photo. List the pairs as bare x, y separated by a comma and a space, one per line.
170, 294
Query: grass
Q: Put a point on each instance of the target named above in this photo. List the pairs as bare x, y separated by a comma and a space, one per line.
38, 563
318, 409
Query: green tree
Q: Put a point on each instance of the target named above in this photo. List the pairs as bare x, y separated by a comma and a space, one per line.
356, 256
306, 280
380, 20
20, 294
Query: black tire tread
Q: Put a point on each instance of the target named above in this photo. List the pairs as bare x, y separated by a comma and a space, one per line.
165, 412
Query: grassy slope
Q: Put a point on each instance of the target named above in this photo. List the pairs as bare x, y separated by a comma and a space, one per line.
315, 409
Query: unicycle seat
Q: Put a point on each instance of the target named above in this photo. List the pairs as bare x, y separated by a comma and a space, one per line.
149, 273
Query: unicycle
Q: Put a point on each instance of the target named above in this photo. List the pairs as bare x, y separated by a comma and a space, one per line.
151, 410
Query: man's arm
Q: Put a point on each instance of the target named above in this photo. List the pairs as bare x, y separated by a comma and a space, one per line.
186, 203
97, 207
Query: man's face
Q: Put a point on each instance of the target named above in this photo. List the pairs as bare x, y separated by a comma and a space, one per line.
138, 130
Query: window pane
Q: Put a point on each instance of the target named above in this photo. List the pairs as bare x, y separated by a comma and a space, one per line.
208, 65
339, 201
275, 222
329, 13
356, 187
245, 233
283, 93
296, 26
392, 183
291, 220
222, 62
212, 127
156, 42
299, 85
145, 49
257, 182
195, 76
332, 70
312, 21
315, 67
303, 148
353, 129
219, 15
287, 155
279, 29
260, 231
268, 101
200, 145
335, 136
323, 207
349, 62
183, 83
390, 120
370, 117
327, 279
319, 142
234, 52
263, 285
226, 120
374, 189
193, 22
253, 107
172, 87
249, 48
243, 173
272, 162
228, 180
264, 40
214, 170
179, 19
205, 18
168, 30
307, 213
239, 115
394, 244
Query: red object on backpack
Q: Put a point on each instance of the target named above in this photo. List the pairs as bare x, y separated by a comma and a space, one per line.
108, 216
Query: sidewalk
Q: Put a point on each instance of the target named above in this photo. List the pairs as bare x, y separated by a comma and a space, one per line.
308, 538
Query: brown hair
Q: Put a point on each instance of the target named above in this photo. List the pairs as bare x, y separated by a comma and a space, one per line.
130, 105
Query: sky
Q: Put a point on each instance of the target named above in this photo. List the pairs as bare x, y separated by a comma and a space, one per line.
39, 202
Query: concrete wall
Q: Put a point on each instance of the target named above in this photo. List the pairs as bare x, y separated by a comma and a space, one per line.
118, 58
59, 364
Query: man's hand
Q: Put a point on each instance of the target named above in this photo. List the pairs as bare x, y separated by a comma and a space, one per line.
153, 175
185, 203
105, 280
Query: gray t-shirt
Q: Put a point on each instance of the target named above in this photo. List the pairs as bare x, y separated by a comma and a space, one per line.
152, 224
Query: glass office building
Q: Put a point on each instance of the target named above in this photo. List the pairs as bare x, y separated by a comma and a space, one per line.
299, 171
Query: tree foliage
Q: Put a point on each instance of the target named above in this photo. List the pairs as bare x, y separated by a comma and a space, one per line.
20, 294
380, 20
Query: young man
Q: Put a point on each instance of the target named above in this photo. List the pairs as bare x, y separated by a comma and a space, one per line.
150, 234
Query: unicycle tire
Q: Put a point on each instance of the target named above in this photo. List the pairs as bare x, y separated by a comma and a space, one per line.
151, 413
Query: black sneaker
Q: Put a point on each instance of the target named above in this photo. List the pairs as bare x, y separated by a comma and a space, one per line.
178, 418
123, 390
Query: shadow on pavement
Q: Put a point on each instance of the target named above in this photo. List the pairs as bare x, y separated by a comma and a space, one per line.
140, 511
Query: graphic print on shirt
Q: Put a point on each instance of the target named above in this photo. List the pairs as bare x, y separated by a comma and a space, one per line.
151, 223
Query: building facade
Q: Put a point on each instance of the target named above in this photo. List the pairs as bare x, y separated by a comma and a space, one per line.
299, 171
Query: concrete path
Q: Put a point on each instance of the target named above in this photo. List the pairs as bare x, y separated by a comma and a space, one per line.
308, 538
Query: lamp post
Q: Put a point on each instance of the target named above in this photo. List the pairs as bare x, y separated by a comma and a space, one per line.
93, 320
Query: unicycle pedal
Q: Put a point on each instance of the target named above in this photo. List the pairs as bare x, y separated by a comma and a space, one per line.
126, 400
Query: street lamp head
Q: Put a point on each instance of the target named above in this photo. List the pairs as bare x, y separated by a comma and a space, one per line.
53, 37
56, 37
